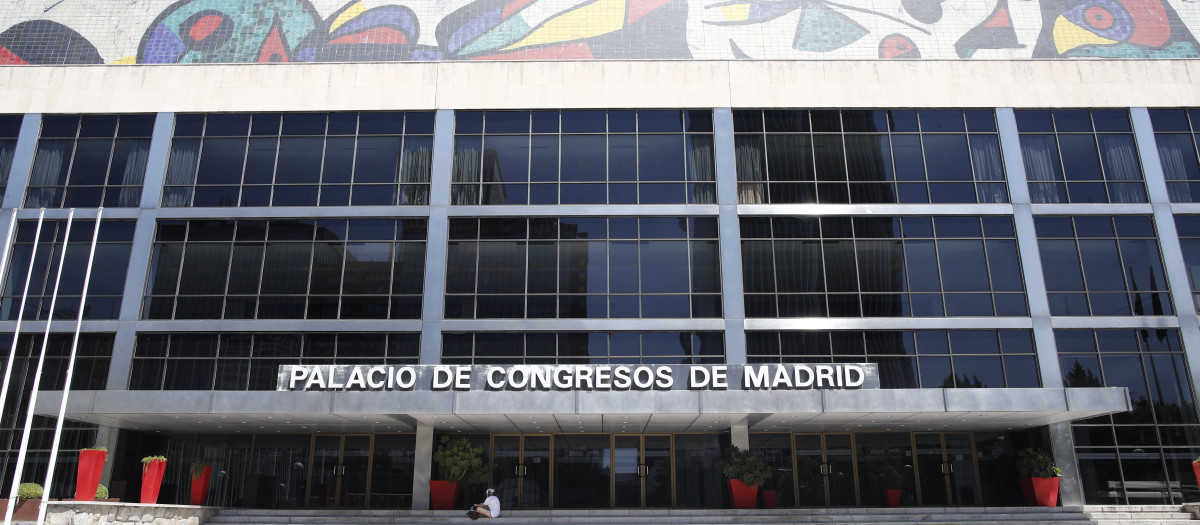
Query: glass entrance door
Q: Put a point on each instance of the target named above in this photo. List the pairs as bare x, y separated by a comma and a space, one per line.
825, 473
946, 469
642, 471
340, 471
521, 466
582, 471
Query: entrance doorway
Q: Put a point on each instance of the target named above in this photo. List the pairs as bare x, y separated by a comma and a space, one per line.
825, 474
522, 471
642, 471
842, 470
583, 470
341, 468
946, 469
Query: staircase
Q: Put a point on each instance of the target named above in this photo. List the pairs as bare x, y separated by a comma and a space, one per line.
1138, 514
1089, 515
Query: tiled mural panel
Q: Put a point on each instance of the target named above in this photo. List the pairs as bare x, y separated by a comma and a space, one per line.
239, 31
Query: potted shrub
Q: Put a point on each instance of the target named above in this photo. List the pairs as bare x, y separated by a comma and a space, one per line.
890, 480
29, 496
152, 475
745, 472
87, 475
769, 492
455, 460
201, 473
1038, 477
1196, 469
102, 493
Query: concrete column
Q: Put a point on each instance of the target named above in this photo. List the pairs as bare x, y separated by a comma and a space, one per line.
107, 437
140, 253
422, 467
732, 303
435, 244
739, 435
1061, 438
1062, 444
1031, 259
22, 162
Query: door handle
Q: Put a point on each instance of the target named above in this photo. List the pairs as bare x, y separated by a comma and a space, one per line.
643, 470
520, 470
824, 469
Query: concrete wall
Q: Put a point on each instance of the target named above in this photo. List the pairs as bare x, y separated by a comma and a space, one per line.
237, 31
97, 513
627, 84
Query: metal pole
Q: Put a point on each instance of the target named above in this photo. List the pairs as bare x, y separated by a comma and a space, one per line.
12, 228
12, 353
62, 407
37, 378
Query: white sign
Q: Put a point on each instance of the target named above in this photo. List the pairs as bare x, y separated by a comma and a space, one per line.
577, 377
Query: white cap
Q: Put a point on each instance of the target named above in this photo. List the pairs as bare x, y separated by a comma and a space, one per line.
490, 491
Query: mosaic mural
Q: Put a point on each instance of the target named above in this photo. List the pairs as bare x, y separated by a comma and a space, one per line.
237, 31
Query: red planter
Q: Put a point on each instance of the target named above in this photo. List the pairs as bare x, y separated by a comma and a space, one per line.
892, 496
152, 475
26, 509
743, 495
1042, 492
1196, 471
87, 476
443, 494
200, 486
769, 498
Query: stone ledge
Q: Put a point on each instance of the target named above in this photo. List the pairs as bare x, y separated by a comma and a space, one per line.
117, 513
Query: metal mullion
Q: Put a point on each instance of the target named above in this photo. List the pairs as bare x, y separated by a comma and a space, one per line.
525, 271
392, 258
324, 150
274, 168
1061, 164
195, 169
228, 274
104, 186
262, 265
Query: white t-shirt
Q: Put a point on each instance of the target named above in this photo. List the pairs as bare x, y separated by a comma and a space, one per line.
493, 505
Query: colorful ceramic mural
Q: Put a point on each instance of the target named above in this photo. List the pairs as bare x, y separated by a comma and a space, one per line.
44, 32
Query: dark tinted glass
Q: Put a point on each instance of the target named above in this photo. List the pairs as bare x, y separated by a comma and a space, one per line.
230, 124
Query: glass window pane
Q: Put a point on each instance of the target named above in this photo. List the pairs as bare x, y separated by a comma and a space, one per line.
660, 158
377, 160
221, 161
299, 160
669, 273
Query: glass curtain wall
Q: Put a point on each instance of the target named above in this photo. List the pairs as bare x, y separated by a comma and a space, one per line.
300, 159
90, 161
583, 157
1142, 456
868, 156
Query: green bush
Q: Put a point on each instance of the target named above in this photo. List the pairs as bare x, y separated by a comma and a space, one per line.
1036, 463
104, 449
744, 465
101, 492
29, 491
459, 459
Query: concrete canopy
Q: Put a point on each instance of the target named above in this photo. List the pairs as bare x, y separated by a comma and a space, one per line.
996, 409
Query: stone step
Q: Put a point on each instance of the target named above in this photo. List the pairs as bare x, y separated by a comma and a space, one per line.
1145, 522
901, 516
715, 520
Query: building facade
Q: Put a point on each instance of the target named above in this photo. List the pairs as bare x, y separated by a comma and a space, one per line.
606, 242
